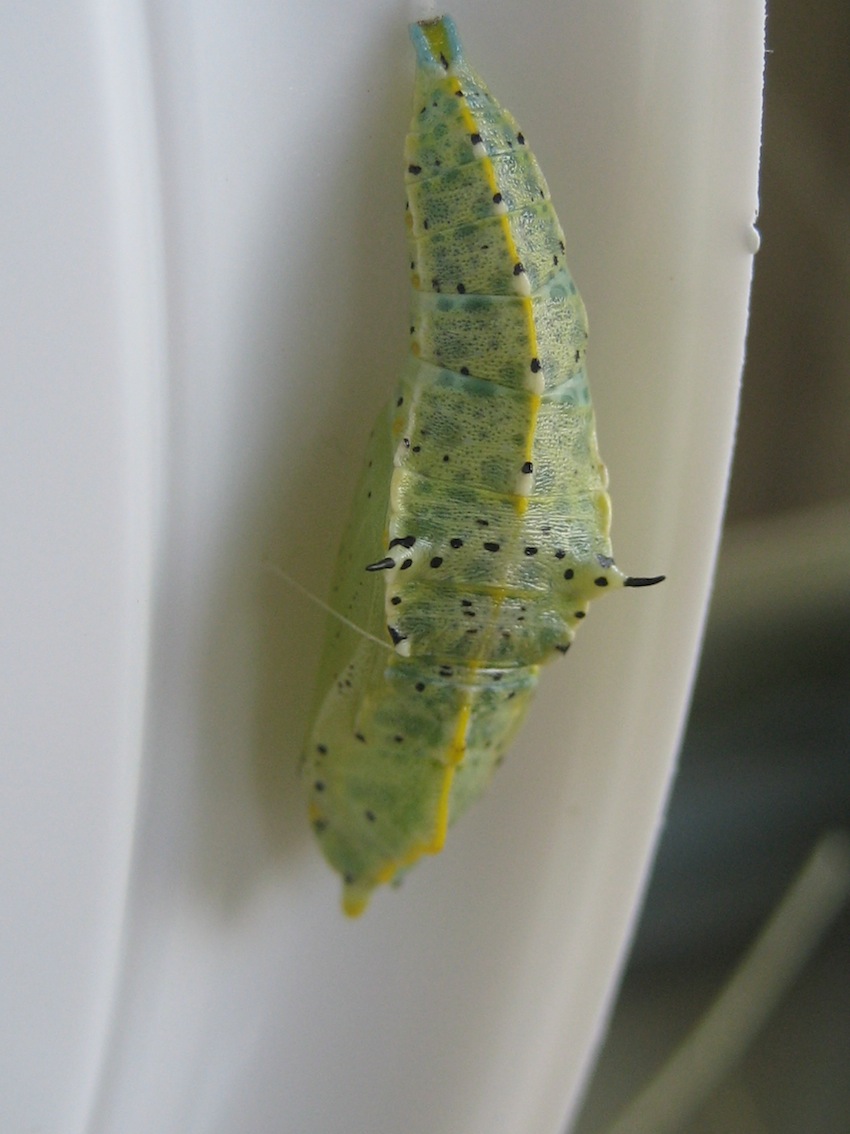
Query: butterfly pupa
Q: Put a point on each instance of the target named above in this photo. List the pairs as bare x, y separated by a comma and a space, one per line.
480, 529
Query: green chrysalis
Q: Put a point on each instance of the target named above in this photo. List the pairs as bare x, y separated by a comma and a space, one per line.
480, 531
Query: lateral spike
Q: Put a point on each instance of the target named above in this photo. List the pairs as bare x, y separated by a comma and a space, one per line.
636, 581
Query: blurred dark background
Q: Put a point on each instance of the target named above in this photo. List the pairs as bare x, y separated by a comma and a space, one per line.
765, 764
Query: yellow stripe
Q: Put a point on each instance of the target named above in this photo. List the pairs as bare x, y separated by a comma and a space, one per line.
456, 753
520, 502
354, 906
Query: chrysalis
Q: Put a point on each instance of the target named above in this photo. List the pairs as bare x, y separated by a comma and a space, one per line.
480, 531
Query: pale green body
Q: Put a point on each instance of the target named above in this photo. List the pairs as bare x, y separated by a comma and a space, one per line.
486, 459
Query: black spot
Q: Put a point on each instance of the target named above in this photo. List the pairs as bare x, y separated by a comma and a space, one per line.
370, 815
483, 523
461, 289
560, 553
497, 198
562, 246
396, 635
475, 139
519, 268
435, 284
416, 449
491, 547
459, 94
569, 573
531, 551
395, 600
398, 739
349, 879
446, 458
527, 468
319, 785
577, 356
466, 602
472, 630
579, 614
436, 561
359, 736
402, 541
407, 563
400, 401
468, 613
555, 261
456, 543
444, 61
446, 671
420, 686
425, 224
521, 139
535, 366
600, 582
322, 749
464, 371
414, 169
563, 649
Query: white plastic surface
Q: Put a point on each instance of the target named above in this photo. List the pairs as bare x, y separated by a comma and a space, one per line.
203, 306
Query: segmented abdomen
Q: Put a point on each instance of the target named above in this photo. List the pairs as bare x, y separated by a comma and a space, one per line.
481, 528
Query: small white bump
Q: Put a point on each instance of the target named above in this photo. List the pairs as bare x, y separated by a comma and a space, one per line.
524, 484
500, 208
402, 648
534, 383
479, 150
522, 284
400, 456
752, 238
